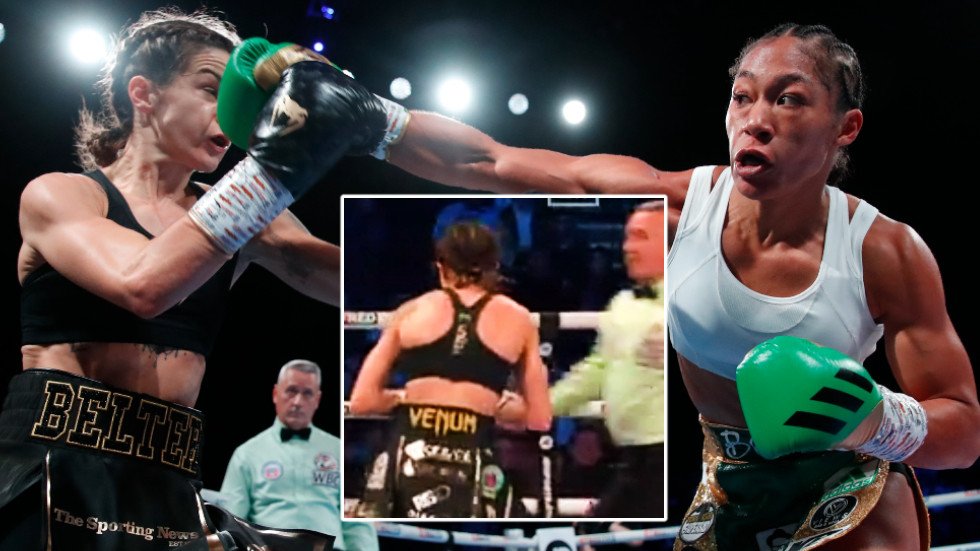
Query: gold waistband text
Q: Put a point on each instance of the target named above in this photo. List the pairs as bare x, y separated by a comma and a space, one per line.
443, 421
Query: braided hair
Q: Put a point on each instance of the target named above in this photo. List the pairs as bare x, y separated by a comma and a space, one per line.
159, 45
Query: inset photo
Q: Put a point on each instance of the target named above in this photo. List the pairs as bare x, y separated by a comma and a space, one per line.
504, 357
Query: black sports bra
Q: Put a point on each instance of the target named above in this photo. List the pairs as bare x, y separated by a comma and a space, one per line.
54, 310
459, 355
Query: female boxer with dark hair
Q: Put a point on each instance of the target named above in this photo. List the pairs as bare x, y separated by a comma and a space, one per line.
125, 272
458, 345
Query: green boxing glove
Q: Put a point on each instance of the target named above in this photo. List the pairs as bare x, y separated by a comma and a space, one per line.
799, 397
252, 74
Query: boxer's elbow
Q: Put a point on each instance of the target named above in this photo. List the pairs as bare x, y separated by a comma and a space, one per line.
953, 441
972, 436
964, 455
361, 404
358, 405
540, 421
966, 438
145, 297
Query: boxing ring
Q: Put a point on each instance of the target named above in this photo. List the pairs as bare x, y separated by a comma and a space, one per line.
567, 507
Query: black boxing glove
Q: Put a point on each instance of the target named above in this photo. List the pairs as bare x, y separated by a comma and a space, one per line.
257, 67
313, 118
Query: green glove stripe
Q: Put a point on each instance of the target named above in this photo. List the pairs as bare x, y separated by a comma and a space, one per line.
815, 421
855, 379
840, 399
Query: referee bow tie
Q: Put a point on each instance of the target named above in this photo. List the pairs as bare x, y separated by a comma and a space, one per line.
644, 291
286, 433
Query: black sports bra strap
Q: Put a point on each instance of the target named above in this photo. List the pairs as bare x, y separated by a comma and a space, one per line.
103, 180
473, 310
457, 304
479, 304
113, 192
118, 210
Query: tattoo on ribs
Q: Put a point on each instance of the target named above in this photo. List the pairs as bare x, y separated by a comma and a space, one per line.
160, 352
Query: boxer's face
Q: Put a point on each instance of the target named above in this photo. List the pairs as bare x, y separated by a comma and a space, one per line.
296, 398
784, 127
184, 113
643, 246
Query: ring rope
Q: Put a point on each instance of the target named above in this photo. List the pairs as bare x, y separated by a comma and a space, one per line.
592, 409
377, 319
568, 507
953, 498
405, 531
415, 533
577, 507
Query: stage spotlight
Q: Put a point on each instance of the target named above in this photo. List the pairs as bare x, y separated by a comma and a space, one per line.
401, 88
318, 46
518, 104
3, 32
318, 8
87, 46
573, 111
455, 95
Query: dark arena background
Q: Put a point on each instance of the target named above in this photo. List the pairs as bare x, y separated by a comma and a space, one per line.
653, 79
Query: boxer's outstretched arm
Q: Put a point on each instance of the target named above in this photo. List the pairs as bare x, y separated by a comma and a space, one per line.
452, 153
427, 144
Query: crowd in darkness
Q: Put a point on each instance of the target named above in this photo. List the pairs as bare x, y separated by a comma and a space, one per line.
554, 258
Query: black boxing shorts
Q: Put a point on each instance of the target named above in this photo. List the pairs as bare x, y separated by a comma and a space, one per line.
87, 466
438, 464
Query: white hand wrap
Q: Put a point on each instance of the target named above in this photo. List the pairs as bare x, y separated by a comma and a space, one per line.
243, 202
903, 428
398, 118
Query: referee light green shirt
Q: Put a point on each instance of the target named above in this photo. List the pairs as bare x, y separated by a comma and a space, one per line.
293, 484
625, 369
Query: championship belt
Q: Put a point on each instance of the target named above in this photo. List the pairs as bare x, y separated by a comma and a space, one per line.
792, 503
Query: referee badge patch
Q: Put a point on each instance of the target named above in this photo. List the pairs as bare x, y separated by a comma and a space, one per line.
272, 470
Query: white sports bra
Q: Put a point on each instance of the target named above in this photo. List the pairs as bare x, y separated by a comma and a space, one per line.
714, 319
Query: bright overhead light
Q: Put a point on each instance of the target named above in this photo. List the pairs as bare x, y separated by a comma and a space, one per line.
455, 94
518, 104
574, 111
87, 46
401, 88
